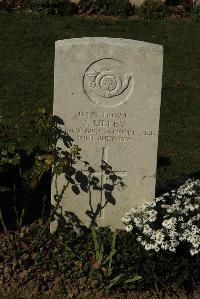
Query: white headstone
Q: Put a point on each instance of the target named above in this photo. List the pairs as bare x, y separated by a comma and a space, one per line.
108, 93
133, 2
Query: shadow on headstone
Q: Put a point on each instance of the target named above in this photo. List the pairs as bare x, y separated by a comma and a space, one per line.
37, 201
86, 179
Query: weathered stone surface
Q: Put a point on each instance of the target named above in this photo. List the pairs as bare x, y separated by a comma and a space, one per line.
108, 93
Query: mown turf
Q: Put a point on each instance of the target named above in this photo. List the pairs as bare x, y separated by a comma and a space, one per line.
27, 56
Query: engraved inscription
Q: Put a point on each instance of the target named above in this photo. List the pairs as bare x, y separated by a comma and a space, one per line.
107, 82
108, 115
108, 127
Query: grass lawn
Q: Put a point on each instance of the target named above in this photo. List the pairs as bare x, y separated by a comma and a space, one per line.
26, 70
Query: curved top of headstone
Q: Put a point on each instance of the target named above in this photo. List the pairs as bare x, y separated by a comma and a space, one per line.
132, 42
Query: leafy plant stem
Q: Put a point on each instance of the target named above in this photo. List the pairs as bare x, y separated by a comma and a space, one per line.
113, 251
3, 223
96, 244
157, 290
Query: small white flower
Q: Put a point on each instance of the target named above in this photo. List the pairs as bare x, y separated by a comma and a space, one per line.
126, 220
158, 199
166, 194
172, 249
148, 247
159, 237
147, 229
157, 249
169, 223
153, 204
194, 251
180, 220
129, 228
138, 222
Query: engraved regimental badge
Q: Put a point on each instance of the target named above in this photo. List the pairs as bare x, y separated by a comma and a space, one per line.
107, 82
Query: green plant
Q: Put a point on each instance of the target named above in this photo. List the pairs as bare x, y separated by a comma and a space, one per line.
60, 7
29, 161
106, 7
70, 258
26, 166
104, 262
170, 222
25, 163
153, 9
168, 229
195, 12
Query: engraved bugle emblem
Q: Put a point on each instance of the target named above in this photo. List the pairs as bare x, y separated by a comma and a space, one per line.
107, 83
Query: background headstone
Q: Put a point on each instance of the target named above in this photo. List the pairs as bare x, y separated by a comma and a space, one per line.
108, 93
133, 2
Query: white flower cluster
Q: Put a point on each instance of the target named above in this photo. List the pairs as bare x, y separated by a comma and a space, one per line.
171, 220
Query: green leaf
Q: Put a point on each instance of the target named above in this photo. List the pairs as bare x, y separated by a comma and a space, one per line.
114, 281
96, 243
134, 279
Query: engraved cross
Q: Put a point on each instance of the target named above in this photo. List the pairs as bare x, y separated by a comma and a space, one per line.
103, 177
